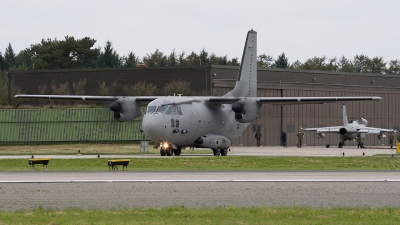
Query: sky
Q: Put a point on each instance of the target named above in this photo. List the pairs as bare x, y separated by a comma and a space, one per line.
301, 29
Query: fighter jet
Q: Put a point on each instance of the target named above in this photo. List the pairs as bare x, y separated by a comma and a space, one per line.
177, 122
350, 130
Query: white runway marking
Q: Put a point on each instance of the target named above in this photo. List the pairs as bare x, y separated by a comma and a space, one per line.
111, 181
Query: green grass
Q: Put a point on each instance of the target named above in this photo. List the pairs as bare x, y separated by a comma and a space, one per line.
229, 215
85, 148
211, 163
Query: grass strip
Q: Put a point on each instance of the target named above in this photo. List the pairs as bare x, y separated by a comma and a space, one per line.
221, 215
230, 163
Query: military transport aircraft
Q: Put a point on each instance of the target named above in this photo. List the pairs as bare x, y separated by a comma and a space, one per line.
176, 122
350, 130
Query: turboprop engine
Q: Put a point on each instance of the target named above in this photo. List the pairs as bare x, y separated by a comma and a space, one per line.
343, 130
246, 110
320, 135
125, 109
213, 141
381, 136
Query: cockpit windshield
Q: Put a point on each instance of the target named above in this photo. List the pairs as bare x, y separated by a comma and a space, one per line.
161, 109
151, 109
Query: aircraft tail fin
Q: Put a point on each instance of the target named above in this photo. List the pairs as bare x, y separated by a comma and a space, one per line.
345, 121
246, 83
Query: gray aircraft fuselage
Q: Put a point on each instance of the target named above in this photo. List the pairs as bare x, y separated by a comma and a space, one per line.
182, 124
351, 131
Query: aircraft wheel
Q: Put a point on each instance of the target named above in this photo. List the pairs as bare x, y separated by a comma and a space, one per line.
340, 145
224, 151
169, 151
177, 151
217, 152
162, 152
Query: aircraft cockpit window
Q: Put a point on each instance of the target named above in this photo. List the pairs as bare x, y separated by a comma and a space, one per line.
151, 109
161, 109
179, 110
174, 111
168, 112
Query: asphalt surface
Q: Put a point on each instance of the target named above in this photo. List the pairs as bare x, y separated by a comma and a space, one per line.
251, 151
130, 189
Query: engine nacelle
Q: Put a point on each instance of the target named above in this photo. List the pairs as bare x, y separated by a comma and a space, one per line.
320, 135
381, 136
246, 110
343, 130
213, 141
125, 109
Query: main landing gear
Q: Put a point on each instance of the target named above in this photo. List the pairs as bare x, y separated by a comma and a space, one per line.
341, 144
220, 151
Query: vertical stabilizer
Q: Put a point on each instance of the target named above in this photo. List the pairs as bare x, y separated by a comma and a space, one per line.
246, 83
345, 121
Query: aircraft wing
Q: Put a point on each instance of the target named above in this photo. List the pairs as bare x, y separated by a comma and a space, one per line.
221, 100
374, 130
142, 99
291, 100
367, 130
311, 100
324, 129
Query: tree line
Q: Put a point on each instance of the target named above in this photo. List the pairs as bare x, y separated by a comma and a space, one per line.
72, 53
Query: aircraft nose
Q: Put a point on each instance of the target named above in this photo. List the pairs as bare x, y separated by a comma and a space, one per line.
151, 128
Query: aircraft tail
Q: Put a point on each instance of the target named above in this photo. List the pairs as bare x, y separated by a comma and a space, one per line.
345, 121
246, 83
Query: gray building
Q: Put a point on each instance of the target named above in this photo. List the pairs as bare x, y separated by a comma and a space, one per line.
218, 80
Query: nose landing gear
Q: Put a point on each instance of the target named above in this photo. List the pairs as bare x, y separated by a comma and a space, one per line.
166, 151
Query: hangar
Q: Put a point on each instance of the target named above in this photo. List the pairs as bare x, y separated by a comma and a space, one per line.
218, 80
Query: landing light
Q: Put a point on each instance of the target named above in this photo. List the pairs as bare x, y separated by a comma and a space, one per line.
165, 145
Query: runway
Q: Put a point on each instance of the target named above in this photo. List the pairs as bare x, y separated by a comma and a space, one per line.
131, 189
199, 176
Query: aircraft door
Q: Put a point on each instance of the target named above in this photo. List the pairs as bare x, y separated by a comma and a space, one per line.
194, 118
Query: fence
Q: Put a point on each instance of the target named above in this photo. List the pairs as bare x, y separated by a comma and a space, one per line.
34, 126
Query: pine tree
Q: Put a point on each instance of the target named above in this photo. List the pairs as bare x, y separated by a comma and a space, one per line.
131, 60
172, 61
109, 58
282, 61
55, 54
9, 57
203, 58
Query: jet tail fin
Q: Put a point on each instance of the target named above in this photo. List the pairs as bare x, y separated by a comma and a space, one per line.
246, 83
345, 121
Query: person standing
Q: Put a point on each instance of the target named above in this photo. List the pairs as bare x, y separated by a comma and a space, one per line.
258, 137
283, 139
398, 137
360, 143
391, 139
300, 139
